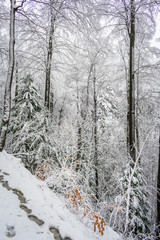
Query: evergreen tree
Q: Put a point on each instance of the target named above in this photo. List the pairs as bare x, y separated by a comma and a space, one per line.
27, 104
28, 100
132, 209
39, 136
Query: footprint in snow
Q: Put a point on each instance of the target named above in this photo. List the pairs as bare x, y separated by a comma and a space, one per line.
36, 220
10, 232
55, 231
7, 174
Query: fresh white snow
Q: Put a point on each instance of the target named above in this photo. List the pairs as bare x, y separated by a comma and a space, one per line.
44, 203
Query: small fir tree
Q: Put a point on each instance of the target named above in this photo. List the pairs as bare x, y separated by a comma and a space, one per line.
26, 104
132, 208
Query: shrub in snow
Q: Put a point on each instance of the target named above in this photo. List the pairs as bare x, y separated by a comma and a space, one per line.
154, 235
78, 201
67, 182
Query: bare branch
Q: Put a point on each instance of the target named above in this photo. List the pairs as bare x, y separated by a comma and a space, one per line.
19, 6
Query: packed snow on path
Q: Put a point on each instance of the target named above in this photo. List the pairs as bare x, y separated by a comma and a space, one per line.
44, 203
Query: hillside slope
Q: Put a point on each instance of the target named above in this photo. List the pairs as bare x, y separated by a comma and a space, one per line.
29, 210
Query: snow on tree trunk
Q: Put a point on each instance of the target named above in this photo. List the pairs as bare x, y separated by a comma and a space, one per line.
131, 97
158, 188
79, 131
49, 59
89, 76
95, 137
7, 94
16, 87
79, 146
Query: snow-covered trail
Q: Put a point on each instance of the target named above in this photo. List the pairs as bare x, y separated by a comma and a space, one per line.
29, 210
10, 226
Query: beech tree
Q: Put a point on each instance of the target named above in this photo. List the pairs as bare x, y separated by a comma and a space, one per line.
131, 87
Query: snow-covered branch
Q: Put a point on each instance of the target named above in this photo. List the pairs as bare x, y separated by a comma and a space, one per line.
20, 5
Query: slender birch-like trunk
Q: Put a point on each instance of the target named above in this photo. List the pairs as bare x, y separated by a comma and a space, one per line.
7, 94
49, 58
79, 131
16, 87
158, 187
88, 80
95, 136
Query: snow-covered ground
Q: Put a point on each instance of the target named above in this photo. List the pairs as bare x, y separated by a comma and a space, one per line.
44, 204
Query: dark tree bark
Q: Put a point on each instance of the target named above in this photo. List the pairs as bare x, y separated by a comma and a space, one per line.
131, 87
16, 87
79, 131
158, 187
49, 58
51, 103
95, 137
79, 146
88, 80
137, 110
7, 94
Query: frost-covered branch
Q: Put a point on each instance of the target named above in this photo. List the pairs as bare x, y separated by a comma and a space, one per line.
20, 5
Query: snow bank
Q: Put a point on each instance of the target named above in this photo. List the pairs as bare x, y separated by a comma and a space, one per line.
44, 204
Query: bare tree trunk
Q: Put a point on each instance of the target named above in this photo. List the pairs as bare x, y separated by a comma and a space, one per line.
83, 114
158, 187
7, 94
51, 107
61, 112
95, 137
89, 76
16, 87
79, 146
137, 111
79, 131
131, 93
49, 58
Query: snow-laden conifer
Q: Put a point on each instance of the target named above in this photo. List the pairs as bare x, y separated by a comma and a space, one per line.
26, 104
131, 214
